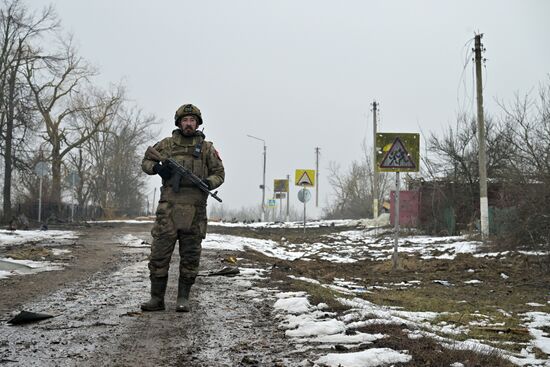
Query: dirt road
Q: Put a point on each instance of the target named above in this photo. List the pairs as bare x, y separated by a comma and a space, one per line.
98, 321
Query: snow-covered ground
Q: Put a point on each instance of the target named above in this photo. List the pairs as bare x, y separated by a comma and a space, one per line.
19, 237
382, 220
309, 325
309, 224
348, 246
46, 239
129, 221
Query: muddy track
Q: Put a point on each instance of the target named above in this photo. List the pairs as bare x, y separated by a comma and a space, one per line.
224, 328
93, 251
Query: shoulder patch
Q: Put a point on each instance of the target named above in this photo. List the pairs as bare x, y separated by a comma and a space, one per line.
217, 154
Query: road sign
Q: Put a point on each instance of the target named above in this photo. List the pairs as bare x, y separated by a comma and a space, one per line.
72, 179
41, 169
280, 185
304, 195
272, 203
305, 177
398, 152
280, 195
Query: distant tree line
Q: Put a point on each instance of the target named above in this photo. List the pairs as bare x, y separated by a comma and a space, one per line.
353, 189
219, 212
53, 111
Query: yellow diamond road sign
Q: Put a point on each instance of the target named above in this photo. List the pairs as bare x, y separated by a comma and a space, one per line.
305, 177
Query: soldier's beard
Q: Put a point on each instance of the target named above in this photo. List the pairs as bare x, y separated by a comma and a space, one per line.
188, 131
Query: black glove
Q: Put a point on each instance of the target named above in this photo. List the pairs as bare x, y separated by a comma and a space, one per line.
206, 182
162, 170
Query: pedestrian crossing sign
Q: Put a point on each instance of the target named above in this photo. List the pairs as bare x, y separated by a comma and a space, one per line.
305, 177
397, 152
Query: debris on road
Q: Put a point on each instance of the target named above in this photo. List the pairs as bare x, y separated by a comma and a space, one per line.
227, 271
27, 317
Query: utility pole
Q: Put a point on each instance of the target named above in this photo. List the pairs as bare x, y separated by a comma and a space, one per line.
483, 201
262, 186
375, 171
288, 199
317, 149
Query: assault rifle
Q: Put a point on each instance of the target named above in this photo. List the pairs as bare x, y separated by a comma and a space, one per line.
180, 171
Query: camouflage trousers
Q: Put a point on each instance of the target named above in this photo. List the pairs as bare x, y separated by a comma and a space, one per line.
177, 222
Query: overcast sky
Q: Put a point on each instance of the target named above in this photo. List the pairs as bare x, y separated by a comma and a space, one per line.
302, 74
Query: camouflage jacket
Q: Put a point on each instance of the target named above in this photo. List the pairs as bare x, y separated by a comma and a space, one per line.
206, 165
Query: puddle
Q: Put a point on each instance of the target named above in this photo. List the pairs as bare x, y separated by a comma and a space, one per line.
10, 267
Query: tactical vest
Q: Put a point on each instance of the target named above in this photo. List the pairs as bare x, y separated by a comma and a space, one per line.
190, 152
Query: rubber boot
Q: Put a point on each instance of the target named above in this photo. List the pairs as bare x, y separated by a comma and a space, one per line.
184, 287
158, 289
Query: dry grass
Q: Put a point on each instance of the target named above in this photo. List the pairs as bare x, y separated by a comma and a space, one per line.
428, 352
497, 300
29, 253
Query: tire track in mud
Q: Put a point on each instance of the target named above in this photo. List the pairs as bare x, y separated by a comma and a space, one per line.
226, 327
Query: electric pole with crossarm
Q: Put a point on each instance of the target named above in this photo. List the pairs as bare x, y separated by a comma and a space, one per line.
317, 149
483, 200
375, 171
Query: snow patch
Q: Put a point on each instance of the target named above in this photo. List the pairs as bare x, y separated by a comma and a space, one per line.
367, 358
20, 237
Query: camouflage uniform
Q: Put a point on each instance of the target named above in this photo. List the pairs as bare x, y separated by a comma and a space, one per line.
182, 215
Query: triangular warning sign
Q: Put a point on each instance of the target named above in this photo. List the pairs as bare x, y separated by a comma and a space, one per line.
397, 157
305, 180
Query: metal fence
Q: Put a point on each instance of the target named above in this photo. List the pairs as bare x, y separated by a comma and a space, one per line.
56, 213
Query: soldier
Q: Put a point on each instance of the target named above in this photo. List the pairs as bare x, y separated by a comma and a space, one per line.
181, 212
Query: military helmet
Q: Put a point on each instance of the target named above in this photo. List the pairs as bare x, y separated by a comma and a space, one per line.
188, 110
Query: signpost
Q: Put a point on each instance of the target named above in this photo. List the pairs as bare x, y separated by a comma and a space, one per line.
304, 178
72, 179
281, 190
41, 170
280, 196
304, 195
397, 152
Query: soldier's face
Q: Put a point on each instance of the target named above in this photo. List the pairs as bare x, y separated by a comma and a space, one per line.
188, 125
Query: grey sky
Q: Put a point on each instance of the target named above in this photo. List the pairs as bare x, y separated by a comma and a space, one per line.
302, 74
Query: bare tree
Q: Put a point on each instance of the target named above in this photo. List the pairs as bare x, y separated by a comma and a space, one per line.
115, 153
79, 162
18, 27
353, 189
527, 119
454, 155
72, 110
